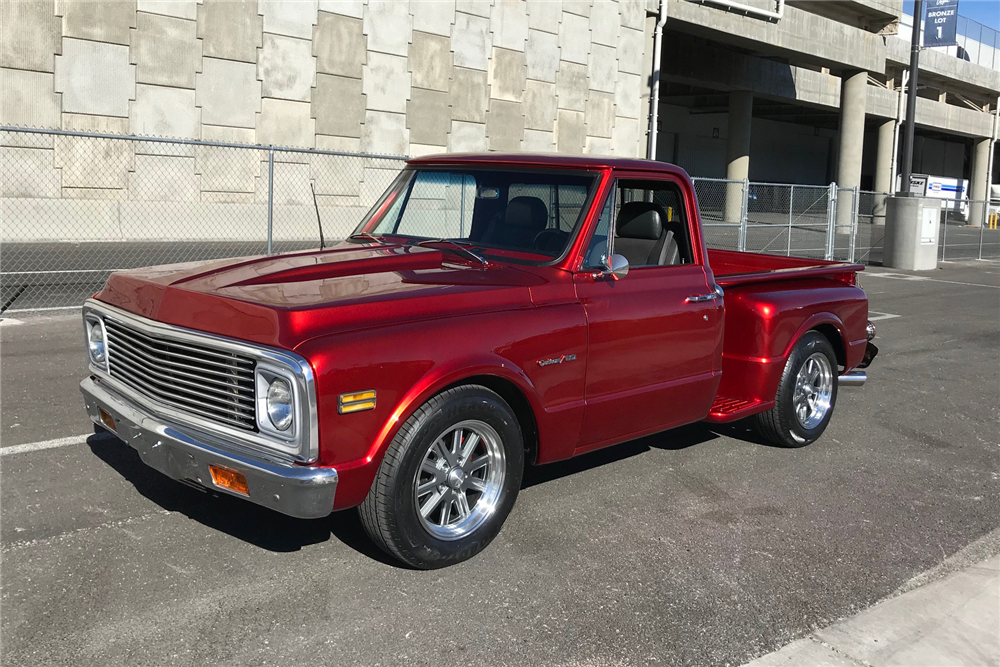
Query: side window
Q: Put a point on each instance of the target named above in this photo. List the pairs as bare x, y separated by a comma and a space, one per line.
651, 228
597, 251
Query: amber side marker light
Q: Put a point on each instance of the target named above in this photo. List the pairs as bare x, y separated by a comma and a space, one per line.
356, 402
229, 479
108, 420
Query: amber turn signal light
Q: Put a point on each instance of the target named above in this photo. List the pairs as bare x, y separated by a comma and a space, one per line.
108, 420
356, 401
229, 479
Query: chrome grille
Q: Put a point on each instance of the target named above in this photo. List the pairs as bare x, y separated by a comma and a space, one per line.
205, 381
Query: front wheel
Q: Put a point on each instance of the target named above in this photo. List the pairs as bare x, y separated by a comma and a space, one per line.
806, 395
448, 480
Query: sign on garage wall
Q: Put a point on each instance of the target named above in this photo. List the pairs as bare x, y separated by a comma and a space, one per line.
941, 24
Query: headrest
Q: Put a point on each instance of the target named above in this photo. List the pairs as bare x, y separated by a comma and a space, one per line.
641, 220
527, 212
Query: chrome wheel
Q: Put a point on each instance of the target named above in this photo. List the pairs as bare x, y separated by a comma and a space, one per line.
460, 480
813, 390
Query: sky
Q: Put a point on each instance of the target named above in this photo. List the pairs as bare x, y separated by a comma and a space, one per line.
986, 12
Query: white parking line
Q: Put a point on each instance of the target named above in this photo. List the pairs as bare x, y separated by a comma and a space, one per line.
906, 276
52, 444
875, 316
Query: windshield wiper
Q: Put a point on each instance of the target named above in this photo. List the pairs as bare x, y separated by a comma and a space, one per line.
457, 246
365, 236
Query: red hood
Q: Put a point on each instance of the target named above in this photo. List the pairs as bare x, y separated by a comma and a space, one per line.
287, 299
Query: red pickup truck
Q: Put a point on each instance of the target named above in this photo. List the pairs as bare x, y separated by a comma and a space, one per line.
490, 311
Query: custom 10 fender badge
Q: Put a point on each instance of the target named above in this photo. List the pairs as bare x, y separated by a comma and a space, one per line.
556, 360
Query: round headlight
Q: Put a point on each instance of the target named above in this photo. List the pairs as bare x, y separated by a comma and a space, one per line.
279, 404
95, 340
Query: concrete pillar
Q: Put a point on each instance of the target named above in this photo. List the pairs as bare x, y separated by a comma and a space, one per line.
738, 150
883, 168
853, 91
978, 182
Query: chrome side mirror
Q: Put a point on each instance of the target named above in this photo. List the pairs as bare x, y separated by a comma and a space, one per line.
616, 268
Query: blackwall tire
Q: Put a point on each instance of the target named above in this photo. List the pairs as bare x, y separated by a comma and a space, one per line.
806, 396
426, 462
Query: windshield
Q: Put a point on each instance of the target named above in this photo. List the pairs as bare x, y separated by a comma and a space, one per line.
524, 214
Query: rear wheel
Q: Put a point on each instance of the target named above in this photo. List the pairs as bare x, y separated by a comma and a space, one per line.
806, 395
448, 480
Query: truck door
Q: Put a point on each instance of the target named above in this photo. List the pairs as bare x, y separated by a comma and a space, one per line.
655, 335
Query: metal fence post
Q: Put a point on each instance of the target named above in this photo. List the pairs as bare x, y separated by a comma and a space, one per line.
744, 214
791, 206
270, 201
854, 222
831, 220
982, 231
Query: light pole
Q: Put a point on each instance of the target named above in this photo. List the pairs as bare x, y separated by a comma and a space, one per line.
906, 167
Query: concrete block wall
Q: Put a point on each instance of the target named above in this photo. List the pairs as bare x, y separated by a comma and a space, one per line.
375, 76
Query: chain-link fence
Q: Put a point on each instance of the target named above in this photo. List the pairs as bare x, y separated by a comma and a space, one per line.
74, 207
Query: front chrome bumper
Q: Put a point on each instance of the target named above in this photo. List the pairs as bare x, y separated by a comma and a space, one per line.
300, 491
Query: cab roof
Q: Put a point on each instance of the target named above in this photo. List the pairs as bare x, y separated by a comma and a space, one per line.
549, 160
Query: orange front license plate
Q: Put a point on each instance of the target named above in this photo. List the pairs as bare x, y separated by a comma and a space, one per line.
230, 479
108, 420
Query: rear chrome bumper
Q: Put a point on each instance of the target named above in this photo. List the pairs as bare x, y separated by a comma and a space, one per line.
300, 491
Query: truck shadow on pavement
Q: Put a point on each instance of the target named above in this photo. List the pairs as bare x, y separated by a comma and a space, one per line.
276, 532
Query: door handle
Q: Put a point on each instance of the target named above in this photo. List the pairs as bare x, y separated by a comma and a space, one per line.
716, 293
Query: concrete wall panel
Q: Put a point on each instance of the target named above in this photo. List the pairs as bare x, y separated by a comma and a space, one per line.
181, 9
629, 95
27, 99
430, 61
163, 178
286, 68
633, 14
339, 45
604, 23
433, 16
428, 117
578, 7
602, 69
230, 29
95, 78
574, 38
388, 25
228, 93
540, 106
471, 41
541, 55
599, 145
631, 49
338, 105
470, 93
504, 125
99, 20
544, 15
571, 86
538, 141
43, 220
507, 75
600, 114
28, 172
30, 35
385, 133
626, 137
474, 7
467, 137
387, 82
509, 23
159, 111
286, 123
292, 19
166, 51
94, 163
571, 131
354, 8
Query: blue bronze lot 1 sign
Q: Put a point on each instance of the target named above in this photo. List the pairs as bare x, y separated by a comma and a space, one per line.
941, 26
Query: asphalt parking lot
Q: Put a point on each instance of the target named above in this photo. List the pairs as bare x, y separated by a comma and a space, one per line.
697, 546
